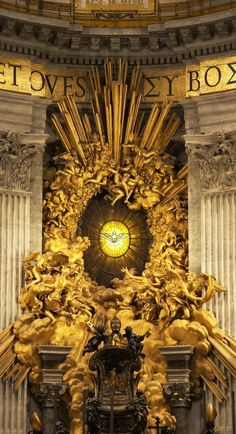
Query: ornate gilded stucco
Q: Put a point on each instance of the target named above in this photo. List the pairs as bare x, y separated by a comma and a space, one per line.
125, 158
119, 237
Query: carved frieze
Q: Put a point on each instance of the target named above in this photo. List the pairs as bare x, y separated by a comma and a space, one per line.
48, 40
44, 35
75, 42
8, 28
154, 43
222, 29
95, 44
115, 43
27, 31
187, 35
216, 158
62, 40
134, 43
15, 161
204, 32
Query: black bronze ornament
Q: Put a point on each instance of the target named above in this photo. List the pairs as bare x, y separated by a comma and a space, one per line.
96, 340
116, 406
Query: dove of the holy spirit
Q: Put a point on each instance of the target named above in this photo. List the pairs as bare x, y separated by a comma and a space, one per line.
114, 238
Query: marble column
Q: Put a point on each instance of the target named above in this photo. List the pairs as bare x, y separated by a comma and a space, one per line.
178, 388
212, 233
18, 152
52, 386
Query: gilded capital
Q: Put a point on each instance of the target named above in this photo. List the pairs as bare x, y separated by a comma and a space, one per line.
17, 151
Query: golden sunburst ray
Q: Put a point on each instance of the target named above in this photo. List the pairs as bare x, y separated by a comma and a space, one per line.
9, 366
112, 103
217, 392
225, 353
123, 159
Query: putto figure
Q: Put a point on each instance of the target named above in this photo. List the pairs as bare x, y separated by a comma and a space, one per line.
135, 341
95, 341
115, 338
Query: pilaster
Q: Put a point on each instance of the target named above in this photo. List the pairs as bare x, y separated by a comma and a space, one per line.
217, 112
213, 156
52, 386
178, 388
22, 113
19, 151
36, 144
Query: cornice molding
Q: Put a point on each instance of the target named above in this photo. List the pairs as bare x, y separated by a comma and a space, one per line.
165, 43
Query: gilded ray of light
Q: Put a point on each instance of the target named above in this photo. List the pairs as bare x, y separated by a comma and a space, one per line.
103, 261
114, 238
123, 160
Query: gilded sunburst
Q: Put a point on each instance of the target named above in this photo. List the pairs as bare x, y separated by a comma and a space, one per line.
123, 159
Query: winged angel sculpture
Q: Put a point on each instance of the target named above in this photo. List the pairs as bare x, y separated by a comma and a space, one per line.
123, 155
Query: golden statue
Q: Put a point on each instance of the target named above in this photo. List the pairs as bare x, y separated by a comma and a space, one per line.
59, 298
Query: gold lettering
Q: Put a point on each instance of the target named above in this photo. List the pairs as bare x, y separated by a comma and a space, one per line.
15, 68
232, 68
2, 73
67, 84
80, 81
194, 82
170, 81
212, 76
51, 81
177, 83
37, 81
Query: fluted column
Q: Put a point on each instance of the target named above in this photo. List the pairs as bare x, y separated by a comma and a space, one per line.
213, 232
17, 153
178, 388
52, 384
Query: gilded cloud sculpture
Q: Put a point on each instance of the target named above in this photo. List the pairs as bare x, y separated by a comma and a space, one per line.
120, 154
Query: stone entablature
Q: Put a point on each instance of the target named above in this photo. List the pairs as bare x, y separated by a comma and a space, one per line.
147, 10
168, 42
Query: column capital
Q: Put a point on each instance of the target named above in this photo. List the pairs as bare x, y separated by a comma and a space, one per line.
178, 388
17, 151
51, 392
215, 154
178, 394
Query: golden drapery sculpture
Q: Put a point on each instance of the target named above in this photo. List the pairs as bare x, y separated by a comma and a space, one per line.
123, 155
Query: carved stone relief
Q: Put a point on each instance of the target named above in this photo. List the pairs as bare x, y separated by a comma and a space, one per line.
178, 394
216, 160
15, 161
198, 38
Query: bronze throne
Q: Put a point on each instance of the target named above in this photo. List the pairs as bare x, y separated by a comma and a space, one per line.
116, 406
